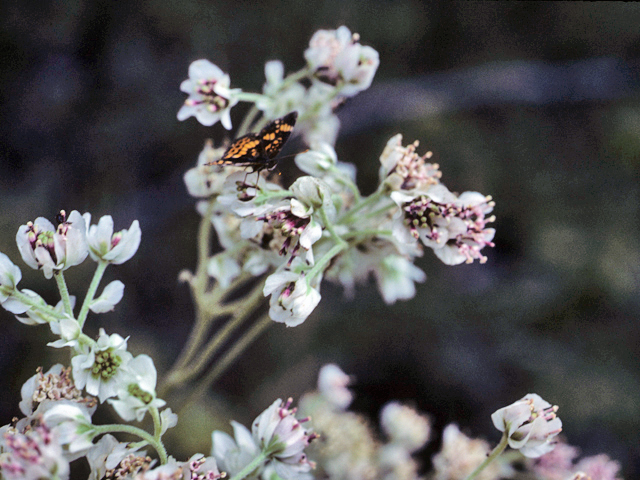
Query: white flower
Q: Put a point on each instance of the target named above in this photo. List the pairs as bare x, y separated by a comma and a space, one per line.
168, 420
234, 454
10, 275
279, 98
337, 58
102, 370
42, 246
395, 277
110, 455
110, 297
52, 386
454, 227
460, 455
200, 467
137, 391
112, 247
292, 298
33, 455
72, 423
210, 98
69, 331
280, 435
401, 168
405, 426
530, 424
13, 305
332, 384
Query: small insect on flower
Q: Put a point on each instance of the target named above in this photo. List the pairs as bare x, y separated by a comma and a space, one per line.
258, 150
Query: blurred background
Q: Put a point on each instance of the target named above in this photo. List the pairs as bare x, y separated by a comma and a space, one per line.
536, 104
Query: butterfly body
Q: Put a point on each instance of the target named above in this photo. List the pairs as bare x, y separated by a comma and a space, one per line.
258, 150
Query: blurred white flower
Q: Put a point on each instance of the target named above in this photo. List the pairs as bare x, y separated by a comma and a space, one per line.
531, 425
599, 467
210, 98
292, 298
332, 384
33, 455
42, 246
10, 275
112, 247
337, 58
137, 390
395, 277
405, 426
111, 295
233, 454
281, 436
279, 97
460, 455
102, 370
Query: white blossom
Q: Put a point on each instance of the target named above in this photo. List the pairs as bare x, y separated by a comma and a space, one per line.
112, 247
111, 295
42, 246
279, 97
210, 98
137, 390
292, 297
102, 370
332, 384
10, 275
395, 277
279, 434
54, 385
33, 455
405, 426
72, 423
69, 331
205, 180
530, 425
337, 58
233, 454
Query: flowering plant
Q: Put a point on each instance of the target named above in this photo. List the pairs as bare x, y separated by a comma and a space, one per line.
278, 242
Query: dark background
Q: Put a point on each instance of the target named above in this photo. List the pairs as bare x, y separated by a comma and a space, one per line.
533, 103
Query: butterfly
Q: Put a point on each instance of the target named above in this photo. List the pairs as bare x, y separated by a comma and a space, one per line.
258, 150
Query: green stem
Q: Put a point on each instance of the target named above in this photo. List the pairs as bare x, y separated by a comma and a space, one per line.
45, 310
249, 97
255, 463
64, 292
247, 121
118, 428
495, 453
367, 233
370, 200
346, 181
88, 298
294, 77
157, 425
245, 306
227, 359
198, 287
319, 266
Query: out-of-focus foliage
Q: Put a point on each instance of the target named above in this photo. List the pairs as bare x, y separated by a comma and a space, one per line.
90, 95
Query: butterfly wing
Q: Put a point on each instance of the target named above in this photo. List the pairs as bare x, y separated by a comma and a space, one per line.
275, 135
243, 152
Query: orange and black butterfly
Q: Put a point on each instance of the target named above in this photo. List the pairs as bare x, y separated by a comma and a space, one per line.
258, 150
